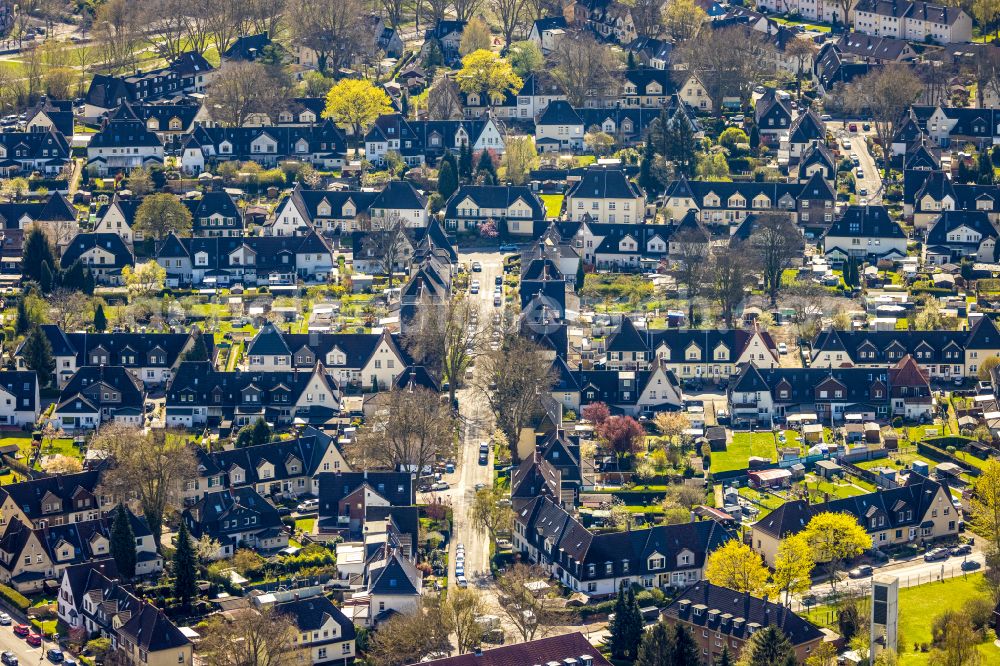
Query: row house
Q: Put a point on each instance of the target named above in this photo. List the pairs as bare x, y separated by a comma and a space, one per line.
361, 360
913, 20
958, 235
945, 354
918, 512
22, 153
874, 49
418, 141
415, 245
320, 628
337, 212
348, 501
54, 500
279, 469
118, 217
811, 204
214, 214
827, 11
53, 213
559, 129
938, 193
632, 392
537, 91
689, 353
608, 19
236, 518
865, 233
170, 122
95, 394
93, 602
598, 564
222, 261
198, 396
947, 125
605, 194
514, 207
617, 245
105, 255
123, 144
150, 357
322, 145
20, 404
188, 73
30, 556
768, 395
51, 115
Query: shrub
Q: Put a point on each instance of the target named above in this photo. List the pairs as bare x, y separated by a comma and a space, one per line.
980, 611
14, 597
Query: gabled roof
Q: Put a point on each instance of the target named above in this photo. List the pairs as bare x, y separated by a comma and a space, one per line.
551, 650
866, 221
109, 242
559, 112
312, 613
603, 182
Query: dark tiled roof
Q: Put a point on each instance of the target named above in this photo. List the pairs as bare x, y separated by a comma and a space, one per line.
541, 651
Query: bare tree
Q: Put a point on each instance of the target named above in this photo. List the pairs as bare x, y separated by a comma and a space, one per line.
584, 67
261, 16
150, 467
511, 379
466, 9
331, 29
490, 512
411, 429
462, 609
802, 50
444, 338
222, 19
438, 8
884, 95
393, 10
984, 66
682, 19
169, 18
728, 61
730, 280
937, 79
538, 9
512, 15
246, 88
386, 243
411, 637
444, 101
525, 603
689, 265
775, 243
117, 33
647, 15
251, 637
69, 309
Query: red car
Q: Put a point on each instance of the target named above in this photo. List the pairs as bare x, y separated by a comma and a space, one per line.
853, 127
21, 630
33, 639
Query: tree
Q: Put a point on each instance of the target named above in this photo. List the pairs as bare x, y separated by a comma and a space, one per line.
462, 609
444, 100
793, 566
689, 266
485, 166
447, 179
145, 280
37, 251
47, 279
159, 215
151, 467
527, 607
737, 567
985, 169
123, 543
884, 95
410, 430
250, 637
775, 244
648, 179
955, 640
444, 339
728, 61
596, 413
824, 655
802, 50
60, 464
673, 138
139, 182
37, 355
834, 538
511, 16
768, 647
510, 379
475, 36
21, 321
76, 278
525, 57
254, 434
656, 647
117, 32
185, 567
730, 279
519, 158
672, 425
244, 89
490, 512
685, 648
198, 350
357, 104
583, 66
410, 637
726, 659
986, 502
623, 434
598, 141
625, 630
682, 19
647, 15
465, 161
331, 29
486, 74
386, 243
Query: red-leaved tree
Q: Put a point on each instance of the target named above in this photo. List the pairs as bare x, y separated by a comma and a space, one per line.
623, 434
597, 413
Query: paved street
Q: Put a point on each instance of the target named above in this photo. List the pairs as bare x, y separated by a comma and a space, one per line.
872, 181
26, 655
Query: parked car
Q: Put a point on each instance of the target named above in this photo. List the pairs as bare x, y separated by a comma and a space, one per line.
853, 127
477, 267
864, 571
970, 565
440, 485
8, 658
283, 511
33, 639
962, 549
936, 554
782, 348
508, 247
459, 571
55, 655
308, 505
863, 191
22, 630
462, 582
4, 619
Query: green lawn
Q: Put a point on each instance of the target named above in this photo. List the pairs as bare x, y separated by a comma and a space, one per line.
837, 490
744, 445
553, 204
766, 500
305, 524
917, 608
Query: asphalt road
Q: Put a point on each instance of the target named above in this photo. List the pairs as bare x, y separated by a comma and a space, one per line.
26, 655
872, 181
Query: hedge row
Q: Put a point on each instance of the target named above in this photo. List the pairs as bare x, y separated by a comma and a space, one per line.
14, 597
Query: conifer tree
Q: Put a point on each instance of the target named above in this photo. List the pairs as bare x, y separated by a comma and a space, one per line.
37, 353
100, 320
447, 179
985, 165
647, 180
616, 630
486, 165
725, 658
21, 323
685, 649
656, 647
198, 351
633, 629
123, 543
37, 251
46, 278
768, 647
185, 567
465, 161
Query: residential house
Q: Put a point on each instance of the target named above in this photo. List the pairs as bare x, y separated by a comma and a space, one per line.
320, 627
938, 193
323, 145
773, 116
332, 212
827, 11
54, 500
118, 217
188, 73
123, 144
104, 254
19, 398
631, 392
559, 129
807, 130
22, 153
718, 618
865, 233
236, 518
597, 564
572, 648
546, 32
960, 234
514, 207
418, 141
605, 194
95, 394
913, 20
919, 511
214, 214
445, 36
54, 115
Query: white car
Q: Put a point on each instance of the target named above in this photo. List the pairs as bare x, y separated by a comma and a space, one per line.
308, 505
782, 348
5, 619
462, 582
